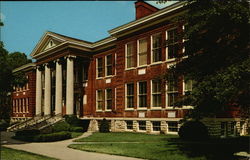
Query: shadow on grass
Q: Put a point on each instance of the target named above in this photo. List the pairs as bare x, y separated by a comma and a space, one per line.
212, 149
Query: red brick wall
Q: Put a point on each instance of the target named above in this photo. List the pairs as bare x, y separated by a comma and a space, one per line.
143, 9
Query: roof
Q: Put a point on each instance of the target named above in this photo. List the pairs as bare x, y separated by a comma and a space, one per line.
25, 67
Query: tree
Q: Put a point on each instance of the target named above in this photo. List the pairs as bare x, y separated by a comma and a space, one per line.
217, 47
8, 62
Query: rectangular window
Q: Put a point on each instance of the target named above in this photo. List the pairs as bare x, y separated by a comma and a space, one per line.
108, 99
156, 93
156, 47
100, 67
99, 100
129, 125
173, 126
142, 125
142, 52
224, 129
130, 95
129, 55
142, 96
109, 65
172, 91
27, 105
188, 86
156, 125
172, 43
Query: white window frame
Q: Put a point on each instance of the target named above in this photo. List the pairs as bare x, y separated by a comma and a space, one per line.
126, 101
167, 102
138, 53
98, 110
151, 97
106, 66
152, 126
151, 49
183, 93
138, 96
97, 59
105, 99
171, 132
166, 48
126, 67
127, 125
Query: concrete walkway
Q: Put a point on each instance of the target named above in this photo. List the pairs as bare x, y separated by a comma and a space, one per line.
57, 150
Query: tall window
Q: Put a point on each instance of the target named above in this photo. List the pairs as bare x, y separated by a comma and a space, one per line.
188, 84
129, 55
156, 47
109, 99
109, 65
142, 94
172, 91
130, 95
99, 100
172, 43
142, 52
156, 93
99, 67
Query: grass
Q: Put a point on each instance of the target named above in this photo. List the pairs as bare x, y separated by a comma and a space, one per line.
12, 154
76, 134
161, 147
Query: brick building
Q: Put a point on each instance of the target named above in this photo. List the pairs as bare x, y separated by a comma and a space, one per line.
116, 78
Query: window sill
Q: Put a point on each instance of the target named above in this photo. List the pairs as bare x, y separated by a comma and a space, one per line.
129, 109
99, 111
155, 63
128, 69
156, 108
142, 66
171, 60
110, 76
141, 109
100, 78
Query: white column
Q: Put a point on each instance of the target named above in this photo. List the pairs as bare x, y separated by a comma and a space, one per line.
58, 109
47, 92
70, 86
38, 91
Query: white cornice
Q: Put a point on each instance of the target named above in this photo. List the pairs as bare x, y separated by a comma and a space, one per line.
148, 18
24, 67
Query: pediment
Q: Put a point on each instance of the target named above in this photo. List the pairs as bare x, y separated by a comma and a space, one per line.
48, 41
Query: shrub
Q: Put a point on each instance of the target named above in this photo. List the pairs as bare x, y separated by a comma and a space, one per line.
72, 120
52, 137
61, 126
104, 127
76, 129
3, 125
28, 132
193, 130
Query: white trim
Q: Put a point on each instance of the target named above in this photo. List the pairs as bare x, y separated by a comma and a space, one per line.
151, 97
126, 88
105, 99
126, 67
151, 49
138, 107
138, 52
105, 64
166, 48
96, 101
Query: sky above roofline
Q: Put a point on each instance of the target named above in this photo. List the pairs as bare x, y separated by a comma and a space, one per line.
25, 21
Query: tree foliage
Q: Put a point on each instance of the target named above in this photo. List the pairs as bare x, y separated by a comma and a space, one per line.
8, 62
217, 47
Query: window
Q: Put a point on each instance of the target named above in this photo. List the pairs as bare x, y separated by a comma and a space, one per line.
172, 43
173, 126
188, 84
100, 99
233, 128
129, 55
99, 67
108, 99
109, 65
142, 52
172, 91
142, 94
130, 95
156, 125
224, 129
142, 125
129, 125
156, 93
27, 105
156, 47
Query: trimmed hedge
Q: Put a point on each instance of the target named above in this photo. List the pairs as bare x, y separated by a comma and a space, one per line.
61, 126
28, 132
52, 137
76, 129
72, 120
193, 130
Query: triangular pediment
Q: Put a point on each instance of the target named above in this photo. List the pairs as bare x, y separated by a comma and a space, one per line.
48, 41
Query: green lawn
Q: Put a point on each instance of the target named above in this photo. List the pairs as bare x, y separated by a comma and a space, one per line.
12, 154
161, 147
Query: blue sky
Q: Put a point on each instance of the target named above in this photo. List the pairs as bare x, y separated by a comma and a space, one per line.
25, 22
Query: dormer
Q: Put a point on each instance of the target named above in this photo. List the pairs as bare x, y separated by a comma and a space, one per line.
144, 9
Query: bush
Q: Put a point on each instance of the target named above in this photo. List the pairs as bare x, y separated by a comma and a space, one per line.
193, 130
104, 127
72, 120
76, 129
3, 125
61, 126
52, 137
28, 132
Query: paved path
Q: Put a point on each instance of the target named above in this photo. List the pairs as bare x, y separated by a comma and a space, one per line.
57, 150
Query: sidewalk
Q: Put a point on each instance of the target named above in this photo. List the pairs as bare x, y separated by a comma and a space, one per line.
58, 150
